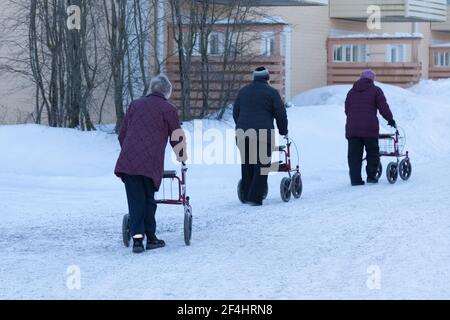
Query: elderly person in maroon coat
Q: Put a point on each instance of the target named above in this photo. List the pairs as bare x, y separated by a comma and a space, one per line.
363, 102
149, 124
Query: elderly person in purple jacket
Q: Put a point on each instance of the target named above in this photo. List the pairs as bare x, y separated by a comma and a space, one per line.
363, 102
148, 125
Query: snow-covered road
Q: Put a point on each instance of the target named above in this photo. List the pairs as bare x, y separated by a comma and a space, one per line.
60, 210
318, 247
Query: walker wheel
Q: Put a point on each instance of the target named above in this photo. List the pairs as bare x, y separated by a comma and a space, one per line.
405, 169
379, 171
285, 189
188, 225
126, 233
392, 172
297, 186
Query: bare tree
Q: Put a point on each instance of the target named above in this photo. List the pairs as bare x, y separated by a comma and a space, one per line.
185, 31
214, 44
63, 64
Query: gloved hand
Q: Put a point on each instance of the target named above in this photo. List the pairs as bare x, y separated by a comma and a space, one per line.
286, 137
392, 123
182, 158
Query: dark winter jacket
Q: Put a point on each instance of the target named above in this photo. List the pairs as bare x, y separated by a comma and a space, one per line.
257, 106
148, 125
361, 106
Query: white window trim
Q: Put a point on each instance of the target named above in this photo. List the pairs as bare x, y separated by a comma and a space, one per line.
196, 49
287, 45
266, 36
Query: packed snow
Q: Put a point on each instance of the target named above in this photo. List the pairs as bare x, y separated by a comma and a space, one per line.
61, 206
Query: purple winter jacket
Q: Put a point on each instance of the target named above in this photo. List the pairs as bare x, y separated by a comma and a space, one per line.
147, 127
361, 106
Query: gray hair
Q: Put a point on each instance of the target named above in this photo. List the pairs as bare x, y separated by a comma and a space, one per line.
161, 84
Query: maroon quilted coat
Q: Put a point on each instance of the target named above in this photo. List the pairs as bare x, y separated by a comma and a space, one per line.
147, 127
361, 107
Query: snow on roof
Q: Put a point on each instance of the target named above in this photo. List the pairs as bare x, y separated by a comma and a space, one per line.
397, 35
441, 45
257, 20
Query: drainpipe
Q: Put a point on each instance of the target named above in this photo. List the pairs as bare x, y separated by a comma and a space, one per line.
416, 27
287, 31
161, 34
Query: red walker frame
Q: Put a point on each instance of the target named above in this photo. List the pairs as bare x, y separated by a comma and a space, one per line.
183, 200
396, 168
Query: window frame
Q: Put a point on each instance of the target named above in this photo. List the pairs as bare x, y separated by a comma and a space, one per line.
220, 44
400, 53
442, 59
347, 53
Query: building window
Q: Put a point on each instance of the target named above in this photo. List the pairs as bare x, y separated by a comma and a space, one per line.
442, 59
268, 44
215, 44
350, 53
396, 53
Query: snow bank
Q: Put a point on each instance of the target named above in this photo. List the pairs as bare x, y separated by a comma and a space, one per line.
423, 112
317, 123
40, 151
438, 89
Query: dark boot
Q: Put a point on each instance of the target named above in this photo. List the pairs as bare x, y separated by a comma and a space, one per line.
154, 243
358, 183
138, 245
372, 180
254, 204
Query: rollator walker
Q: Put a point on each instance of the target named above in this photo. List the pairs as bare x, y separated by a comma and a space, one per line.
392, 145
182, 200
291, 185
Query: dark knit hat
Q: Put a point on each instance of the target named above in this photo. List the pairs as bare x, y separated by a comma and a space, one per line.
261, 73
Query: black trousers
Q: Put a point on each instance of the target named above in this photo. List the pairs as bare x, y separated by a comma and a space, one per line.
355, 157
254, 169
141, 204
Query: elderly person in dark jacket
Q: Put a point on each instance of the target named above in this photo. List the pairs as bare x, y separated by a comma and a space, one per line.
256, 107
148, 125
363, 102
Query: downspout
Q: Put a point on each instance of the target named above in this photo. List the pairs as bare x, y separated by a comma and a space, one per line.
288, 61
415, 27
161, 34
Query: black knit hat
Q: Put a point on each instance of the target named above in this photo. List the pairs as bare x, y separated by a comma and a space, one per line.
261, 73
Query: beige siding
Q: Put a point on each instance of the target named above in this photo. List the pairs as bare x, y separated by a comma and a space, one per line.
311, 26
17, 98
391, 10
442, 26
16, 102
